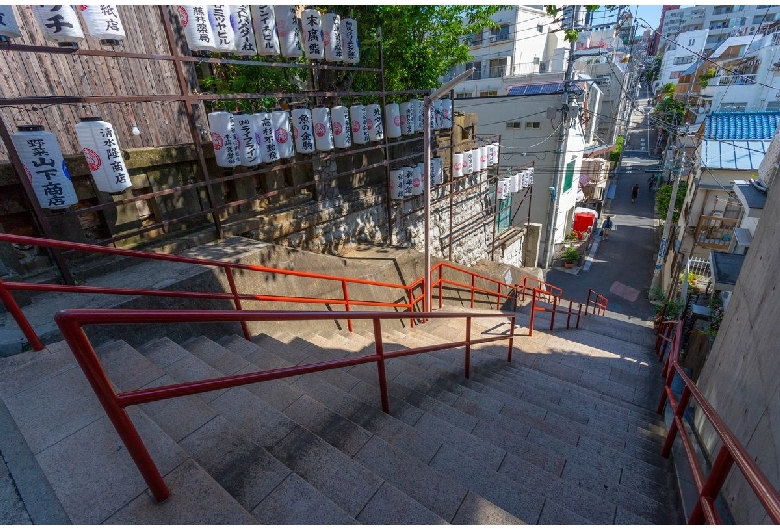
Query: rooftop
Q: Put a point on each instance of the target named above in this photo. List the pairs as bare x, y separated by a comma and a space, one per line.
741, 125
733, 154
536, 89
725, 269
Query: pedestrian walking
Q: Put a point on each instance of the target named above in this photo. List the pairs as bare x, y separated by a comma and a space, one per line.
606, 226
634, 192
651, 183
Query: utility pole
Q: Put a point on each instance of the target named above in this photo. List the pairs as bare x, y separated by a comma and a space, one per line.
563, 138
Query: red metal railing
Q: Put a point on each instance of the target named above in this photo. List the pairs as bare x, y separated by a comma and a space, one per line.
732, 452
71, 324
599, 303
544, 288
558, 305
508, 294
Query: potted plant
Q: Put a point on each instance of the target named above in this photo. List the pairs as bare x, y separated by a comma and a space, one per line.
570, 257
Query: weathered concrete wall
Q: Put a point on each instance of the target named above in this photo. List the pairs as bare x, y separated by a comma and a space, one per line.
741, 377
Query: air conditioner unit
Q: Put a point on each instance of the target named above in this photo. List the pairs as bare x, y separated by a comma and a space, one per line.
493, 38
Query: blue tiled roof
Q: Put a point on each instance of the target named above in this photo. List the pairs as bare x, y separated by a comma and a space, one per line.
741, 125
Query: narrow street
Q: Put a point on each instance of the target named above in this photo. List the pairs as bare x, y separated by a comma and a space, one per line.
622, 267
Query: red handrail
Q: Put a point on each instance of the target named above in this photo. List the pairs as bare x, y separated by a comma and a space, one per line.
732, 451
537, 294
71, 324
599, 303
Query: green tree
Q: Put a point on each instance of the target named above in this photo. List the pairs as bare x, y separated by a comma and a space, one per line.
614, 155
654, 70
670, 110
664, 195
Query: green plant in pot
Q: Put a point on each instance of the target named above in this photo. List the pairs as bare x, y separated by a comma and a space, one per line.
570, 256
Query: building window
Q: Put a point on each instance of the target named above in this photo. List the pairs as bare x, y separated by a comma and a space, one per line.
733, 107
497, 67
691, 42
477, 66
773, 105
675, 75
688, 59
514, 125
540, 28
500, 34
568, 177
462, 95
487, 93
533, 125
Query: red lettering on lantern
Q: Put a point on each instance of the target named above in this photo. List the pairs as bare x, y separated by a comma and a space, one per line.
355, 126
93, 159
282, 136
183, 16
319, 129
370, 125
217, 140
337, 128
397, 120
295, 132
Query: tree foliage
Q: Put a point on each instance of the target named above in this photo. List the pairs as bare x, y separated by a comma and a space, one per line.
670, 111
664, 195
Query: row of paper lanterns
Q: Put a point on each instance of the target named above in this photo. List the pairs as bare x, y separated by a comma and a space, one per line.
475, 160
270, 31
47, 172
61, 24
241, 139
409, 181
514, 183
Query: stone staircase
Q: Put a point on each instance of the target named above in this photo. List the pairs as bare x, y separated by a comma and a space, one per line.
565, 434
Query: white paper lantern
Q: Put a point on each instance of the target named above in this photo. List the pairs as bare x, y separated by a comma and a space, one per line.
222, 28
477, 161
197, 28
457, 165
515, 182
396, 184
446, 113
418, 179
342, 127
302, 131
419, 114
502, 189
530, 176
491, 156
58, 23
393, 120
264, 24
496, 154
323, 130
376, 129
9, 28
311, 25
437, 114
349, 41
103, 22
359, 118
483, 157
280, 120
437, 171
331, 37
468, 162
104, 156
288, 31
408, 181
407, 118
44, 166
266, 137
249, 152
244, 32
223, 137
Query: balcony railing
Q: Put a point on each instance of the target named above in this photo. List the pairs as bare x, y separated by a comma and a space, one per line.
525, 69
749, 79
497, 71
715, 233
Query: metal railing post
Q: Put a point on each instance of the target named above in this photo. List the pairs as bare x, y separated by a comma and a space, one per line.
21, 320
587, 304
579, 312
498, 297
554, 310
515, 288
511, 339
380, 366
441, 283
468, 347
473, 279
568, 315
523, 299
410, 295
715, 480
236, 299
346, 303
678, 418
533, 313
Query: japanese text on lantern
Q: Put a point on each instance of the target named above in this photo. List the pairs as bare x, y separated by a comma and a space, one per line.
201, 24
113, 156
220, 24
244, 23
269, 139
306, 137
350, 40
52, 190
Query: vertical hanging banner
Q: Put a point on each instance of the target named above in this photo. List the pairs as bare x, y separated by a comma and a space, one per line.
244, 33
342, 128
288, 31
311, 22
280, 120
302, 131
393, 120
331, 37
8, 25
249, 149
223, 137
222, 28
197, 28
349, 41
58, 23
266, 137
323, 130
359, 117
44, 166
104, 157
264, 24
103, 22
375, 128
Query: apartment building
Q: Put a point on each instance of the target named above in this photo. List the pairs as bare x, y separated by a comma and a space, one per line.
679, 55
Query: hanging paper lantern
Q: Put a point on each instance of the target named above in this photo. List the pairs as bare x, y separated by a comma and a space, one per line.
477, 161
244, 34
376, 129
407, 118
436, 113
104, 157
530, 175
359, 118
103, 22
323, 130
349, 41
468, 162
515, 182
491, 155
280, 121
266, 137
302, 131
419, 114
483, 157
418, 180
288, 31
408, 181
457, 165
249, 148
437, 171
222, 28
331, 37
396, 184
44, 166
223, 137
311, 24
8, 26
496, 153
342, 128
393, 120
264, 24
58, 23
446, 113
197, 29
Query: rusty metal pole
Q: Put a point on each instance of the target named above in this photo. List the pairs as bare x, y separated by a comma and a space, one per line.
388, 206
189, 105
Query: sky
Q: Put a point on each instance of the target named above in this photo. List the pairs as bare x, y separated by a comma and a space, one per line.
649, 11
